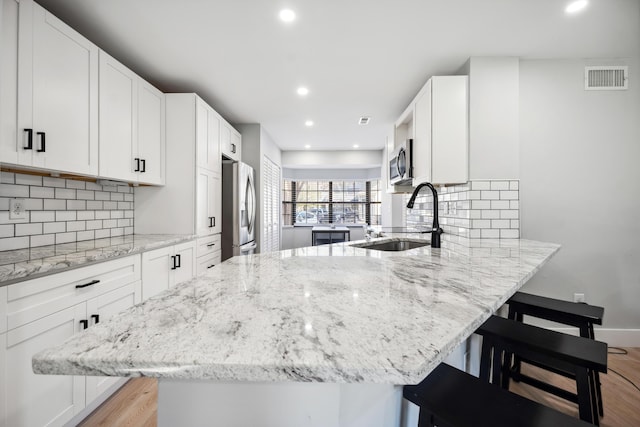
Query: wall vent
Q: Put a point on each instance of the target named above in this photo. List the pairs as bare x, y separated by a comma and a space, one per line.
606, 78
364, 120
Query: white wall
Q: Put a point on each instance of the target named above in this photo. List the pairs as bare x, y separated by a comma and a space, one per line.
493, 117
333, 174
331, 159
257, 143
580, 185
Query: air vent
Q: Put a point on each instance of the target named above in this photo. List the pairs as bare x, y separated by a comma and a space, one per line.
606, 78
364, 120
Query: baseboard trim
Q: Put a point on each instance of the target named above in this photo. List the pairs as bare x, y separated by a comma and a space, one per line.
613, 337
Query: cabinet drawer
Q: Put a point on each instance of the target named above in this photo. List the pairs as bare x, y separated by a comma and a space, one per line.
208, 245
208, 261
34, 299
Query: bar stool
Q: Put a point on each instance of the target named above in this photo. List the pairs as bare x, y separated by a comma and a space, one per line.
448, 397
575, 356
580, 315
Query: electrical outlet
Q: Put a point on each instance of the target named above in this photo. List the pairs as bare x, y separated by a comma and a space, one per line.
578, 298
16, 209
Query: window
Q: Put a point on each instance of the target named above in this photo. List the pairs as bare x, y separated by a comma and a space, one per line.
271, 189
331, 202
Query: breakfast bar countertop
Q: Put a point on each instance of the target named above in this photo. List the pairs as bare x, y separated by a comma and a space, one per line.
334, 313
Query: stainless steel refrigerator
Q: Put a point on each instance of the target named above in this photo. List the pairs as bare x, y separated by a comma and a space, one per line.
238, 209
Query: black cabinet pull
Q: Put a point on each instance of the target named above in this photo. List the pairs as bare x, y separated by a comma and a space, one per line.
173, 261
96, 318
179, 261
137, 169
43, 147
211, 244
233, 148
210, 221
214, 221
144, 165
212, 265
84, 323
29, 139
93, 282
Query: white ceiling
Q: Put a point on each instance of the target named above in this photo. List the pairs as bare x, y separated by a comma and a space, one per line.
356, 57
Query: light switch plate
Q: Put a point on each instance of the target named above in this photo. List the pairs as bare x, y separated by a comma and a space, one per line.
16, 209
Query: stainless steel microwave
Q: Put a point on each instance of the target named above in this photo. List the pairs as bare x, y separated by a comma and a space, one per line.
401, 164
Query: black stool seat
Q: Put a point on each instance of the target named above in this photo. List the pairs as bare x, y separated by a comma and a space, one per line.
576, 356
583, 316
452, 398
565, 312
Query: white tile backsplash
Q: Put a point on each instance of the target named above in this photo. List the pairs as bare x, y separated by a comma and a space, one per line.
62, 210
478, 209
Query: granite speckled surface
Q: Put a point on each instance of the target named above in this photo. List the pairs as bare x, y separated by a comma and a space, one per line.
24, 264
334, 313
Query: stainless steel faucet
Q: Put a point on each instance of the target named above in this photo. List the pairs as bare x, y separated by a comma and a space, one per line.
436, 231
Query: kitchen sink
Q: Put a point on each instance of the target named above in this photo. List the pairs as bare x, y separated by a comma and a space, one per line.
394, 245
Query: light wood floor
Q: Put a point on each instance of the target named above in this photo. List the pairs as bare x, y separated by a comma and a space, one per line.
135, 404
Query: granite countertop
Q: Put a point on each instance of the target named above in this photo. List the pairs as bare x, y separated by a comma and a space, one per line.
24, 264
335, 313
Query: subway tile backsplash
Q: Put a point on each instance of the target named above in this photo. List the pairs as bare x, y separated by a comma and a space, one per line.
478, 209
62, 210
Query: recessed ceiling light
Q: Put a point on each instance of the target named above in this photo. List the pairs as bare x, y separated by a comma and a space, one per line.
576, 6
287, 15
308, 123
307, 146
355, 146
302, 91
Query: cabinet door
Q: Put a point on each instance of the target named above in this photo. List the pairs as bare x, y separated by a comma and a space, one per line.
450, 127
422, 136
236, 145
213, 141
187, 261
118, 98
207, 137
57, 93
37, 400
101, 309
151, 139
156, 268
207, 213
215, 202
8, 81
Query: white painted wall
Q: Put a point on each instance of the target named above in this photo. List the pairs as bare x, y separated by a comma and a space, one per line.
580, 186
493, 117
331, 159
333, 174
257, 143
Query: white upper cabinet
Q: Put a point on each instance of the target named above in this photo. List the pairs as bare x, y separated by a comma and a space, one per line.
8, 81
438, 122
57, 94
191, 201
230, 142
151, 138
208, 136
131, 125
118, 99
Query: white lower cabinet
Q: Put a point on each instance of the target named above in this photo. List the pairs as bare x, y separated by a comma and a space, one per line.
209, 253
37, 400
166, 267
100, 309
43, 313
